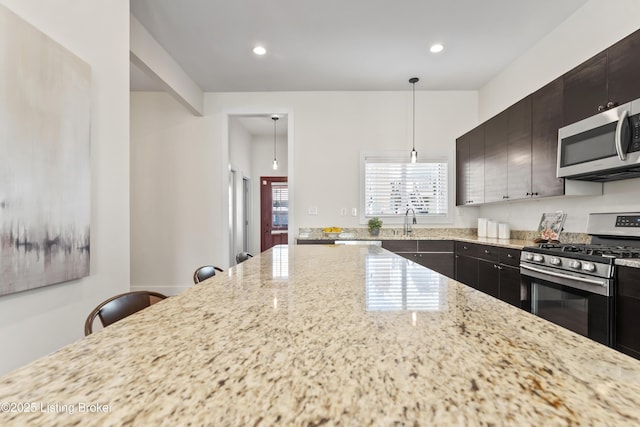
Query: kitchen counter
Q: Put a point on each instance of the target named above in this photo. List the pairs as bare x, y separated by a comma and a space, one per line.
324, 334
635, 263
519, 240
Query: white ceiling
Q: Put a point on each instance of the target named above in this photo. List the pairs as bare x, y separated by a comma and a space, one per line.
344, 44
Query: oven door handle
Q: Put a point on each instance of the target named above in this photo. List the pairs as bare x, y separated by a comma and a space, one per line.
565, 276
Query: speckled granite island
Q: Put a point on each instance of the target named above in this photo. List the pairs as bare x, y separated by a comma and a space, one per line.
328, 335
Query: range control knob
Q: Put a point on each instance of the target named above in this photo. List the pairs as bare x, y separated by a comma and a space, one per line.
575, 264
528, 256
588, 266
538, 258
555, 261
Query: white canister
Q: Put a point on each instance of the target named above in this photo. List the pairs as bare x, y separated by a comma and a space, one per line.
482, 227
504, 231
492, 229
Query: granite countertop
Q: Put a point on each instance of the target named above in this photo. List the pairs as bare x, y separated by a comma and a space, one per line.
635, 263
331, 335
519, 239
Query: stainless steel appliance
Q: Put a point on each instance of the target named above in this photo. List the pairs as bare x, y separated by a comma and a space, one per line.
573, 285
604, 147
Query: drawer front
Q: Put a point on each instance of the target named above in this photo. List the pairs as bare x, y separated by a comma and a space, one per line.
510, 256
435, 245
400, 245
466, 249
489, 253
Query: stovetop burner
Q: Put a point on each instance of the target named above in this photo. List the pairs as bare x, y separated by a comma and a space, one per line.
592, 249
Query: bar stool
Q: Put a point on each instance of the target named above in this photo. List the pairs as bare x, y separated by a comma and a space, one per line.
204, 272
120, 306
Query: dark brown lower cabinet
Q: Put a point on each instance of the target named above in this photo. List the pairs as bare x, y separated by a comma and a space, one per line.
627, 311
510, 286
467, 270
489, 278
436, 255
492, 270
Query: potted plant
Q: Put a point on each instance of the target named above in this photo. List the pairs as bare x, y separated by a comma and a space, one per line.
374, 226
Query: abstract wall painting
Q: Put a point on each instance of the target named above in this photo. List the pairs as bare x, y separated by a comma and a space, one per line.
45, 175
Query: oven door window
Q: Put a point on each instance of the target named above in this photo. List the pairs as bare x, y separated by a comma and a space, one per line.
582, 312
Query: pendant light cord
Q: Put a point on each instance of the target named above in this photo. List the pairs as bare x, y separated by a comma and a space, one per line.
414, 116
275, 119
414, 153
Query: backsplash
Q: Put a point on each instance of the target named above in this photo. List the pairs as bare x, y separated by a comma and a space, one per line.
427, 233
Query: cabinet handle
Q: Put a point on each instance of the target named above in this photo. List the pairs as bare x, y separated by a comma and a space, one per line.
534, 194
600, 108
612, 104
486, 251
509, 256
529, 194
505, 197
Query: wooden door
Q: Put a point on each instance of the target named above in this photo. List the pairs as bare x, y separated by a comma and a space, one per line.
274, 211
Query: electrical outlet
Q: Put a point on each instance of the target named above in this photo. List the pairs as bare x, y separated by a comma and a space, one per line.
354, 211
313, 210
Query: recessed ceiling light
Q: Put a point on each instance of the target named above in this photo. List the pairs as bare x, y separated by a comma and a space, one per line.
259, 50
435, 48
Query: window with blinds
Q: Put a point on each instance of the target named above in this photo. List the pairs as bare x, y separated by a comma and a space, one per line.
392, 187
280, 205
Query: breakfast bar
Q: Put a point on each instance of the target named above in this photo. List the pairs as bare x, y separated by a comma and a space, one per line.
327, 335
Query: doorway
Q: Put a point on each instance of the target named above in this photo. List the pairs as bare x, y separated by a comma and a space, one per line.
253, 141
274, 211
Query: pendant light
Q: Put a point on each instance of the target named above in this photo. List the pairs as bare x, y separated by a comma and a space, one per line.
414, 153
275, 160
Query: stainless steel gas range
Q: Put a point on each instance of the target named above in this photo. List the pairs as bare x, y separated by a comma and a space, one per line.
573, 285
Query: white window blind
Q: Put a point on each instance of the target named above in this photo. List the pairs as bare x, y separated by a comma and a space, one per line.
280, 207
392, 187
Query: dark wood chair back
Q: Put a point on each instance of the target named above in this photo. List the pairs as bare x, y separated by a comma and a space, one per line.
121, 306
243, 256
204, 272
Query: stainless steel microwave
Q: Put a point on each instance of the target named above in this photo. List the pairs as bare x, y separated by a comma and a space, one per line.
604, 147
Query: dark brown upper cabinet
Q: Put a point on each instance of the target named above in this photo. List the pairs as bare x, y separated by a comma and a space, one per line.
519, 150
495, 158
624, 69
546, 119
585, 89
470, 167
462, 169
608, 79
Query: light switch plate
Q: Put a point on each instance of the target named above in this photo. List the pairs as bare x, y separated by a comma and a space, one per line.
354, 211
313, 210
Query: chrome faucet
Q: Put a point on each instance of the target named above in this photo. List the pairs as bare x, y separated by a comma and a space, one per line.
407, 227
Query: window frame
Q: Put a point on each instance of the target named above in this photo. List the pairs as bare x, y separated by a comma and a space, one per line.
403, 157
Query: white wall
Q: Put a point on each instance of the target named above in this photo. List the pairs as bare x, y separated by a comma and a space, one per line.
39, 321
240, 148
176, 193
593, 28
